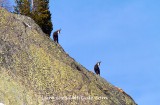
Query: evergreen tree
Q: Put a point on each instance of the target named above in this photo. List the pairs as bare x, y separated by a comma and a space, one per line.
42, 15
38, 10
23, 7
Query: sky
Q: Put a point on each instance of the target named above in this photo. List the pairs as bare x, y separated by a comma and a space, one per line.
123, 34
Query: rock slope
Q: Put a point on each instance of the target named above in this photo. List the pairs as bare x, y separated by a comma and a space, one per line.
36, 71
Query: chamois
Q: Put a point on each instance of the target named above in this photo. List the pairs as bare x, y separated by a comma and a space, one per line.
55, 35
96, 68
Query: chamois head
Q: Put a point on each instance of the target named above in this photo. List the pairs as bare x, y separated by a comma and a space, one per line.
98, 63
59, 31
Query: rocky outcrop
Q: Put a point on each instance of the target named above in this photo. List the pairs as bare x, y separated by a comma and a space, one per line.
36, 71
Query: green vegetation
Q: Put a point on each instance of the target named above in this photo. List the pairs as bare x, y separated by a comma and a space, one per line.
38, 10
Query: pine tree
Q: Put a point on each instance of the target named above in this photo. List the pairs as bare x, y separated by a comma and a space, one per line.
42, 15
23, 7
38, 10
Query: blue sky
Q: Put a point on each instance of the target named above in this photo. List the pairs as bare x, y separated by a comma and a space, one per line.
123, 34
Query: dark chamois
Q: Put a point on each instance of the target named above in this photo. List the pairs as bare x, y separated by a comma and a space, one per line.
96, 68
55, 35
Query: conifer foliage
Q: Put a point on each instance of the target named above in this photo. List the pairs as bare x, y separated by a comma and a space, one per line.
38, 10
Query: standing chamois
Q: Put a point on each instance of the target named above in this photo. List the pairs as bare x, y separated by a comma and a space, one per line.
96, 68
55, 35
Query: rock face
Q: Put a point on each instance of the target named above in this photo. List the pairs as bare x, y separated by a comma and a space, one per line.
36, 71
